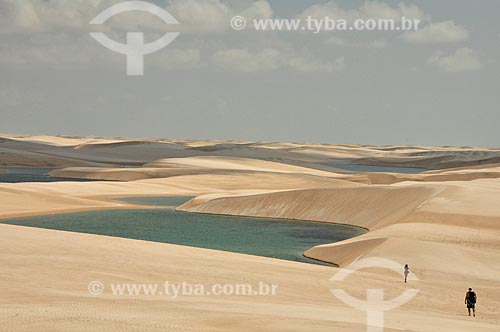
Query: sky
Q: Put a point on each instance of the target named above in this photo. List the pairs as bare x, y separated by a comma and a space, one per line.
435, 86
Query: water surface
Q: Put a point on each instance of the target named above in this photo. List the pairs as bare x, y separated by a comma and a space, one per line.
28, 174
283, 239
374, 169
156, 200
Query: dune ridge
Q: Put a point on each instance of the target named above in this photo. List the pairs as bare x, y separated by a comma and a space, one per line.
341, 205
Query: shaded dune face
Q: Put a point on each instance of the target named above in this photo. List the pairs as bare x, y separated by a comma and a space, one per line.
368, 207
344, 253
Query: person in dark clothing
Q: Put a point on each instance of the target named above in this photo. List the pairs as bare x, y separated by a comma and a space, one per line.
470, 301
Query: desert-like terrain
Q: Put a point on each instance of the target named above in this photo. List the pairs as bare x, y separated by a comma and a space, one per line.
443, 222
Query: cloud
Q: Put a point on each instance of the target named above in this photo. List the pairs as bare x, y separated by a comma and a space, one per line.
309, 64
77, 51
177, 58
369, 10
214, 15
193, 15
15, 14
270, 59
54, 50
442, 32
463, 60
208, 15
374, 44
439, 32
33, 15
244, 61
53, 33
258, 9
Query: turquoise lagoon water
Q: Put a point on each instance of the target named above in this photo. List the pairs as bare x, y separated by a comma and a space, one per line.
283, 239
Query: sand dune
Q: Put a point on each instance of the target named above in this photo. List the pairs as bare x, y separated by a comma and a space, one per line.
92, 195
235, 163
302, 303
60, 140
437, 160
386, 178
123, 151
447, 232
14, 158
445, 224
351, 205
170, 167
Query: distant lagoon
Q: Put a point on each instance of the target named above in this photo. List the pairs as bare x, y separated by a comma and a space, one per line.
28, 174
373, 169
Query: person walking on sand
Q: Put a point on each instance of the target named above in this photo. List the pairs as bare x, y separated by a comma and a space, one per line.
407, 272
470, 301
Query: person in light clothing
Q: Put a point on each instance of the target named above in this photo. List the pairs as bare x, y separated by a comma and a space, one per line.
407, 272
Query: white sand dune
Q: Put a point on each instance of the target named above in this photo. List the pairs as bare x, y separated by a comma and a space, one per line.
349, 205
75, 196
445, 224
169, 167
447, 232
303, 303
235, 163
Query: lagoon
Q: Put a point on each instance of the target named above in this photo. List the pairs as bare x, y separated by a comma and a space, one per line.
30, 174
277, 238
